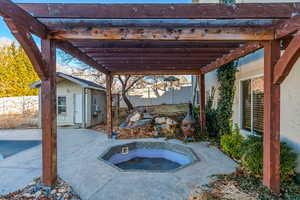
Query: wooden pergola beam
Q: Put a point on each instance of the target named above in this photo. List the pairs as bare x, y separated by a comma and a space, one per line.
147, 50
48, 115
287, 27
164, 11
158, 72
164, 34
271, 136
129, 44
146, 67
31, 49
233, 55
202, 118
177, 56
109, 120
120, 63
23, 19
76, 53
125, 61
287, 60
145, 59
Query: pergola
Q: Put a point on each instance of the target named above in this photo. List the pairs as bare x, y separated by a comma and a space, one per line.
191, 39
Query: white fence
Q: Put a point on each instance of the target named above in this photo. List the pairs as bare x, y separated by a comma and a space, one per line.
183, 95
18, 105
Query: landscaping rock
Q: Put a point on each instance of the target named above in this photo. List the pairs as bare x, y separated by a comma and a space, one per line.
35, 191
147, 116
160, 120
135, 117
143, 122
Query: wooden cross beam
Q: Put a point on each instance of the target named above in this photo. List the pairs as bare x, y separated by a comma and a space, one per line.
287, 27
162, 50
113, 67
121, 63
152, 44
287, 60
153, 60
31, 49
157, 72
164, 11
164, 34
23, 19
233, 55
75, 52
156, 55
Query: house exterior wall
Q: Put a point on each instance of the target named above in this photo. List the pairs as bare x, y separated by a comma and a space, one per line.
88, 110
252, 66
97, 107
69, 90
90, 99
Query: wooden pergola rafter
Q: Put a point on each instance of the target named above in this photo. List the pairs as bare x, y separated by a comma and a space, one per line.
158, 39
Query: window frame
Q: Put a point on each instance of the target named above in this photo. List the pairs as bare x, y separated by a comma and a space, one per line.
251, 131
63, 113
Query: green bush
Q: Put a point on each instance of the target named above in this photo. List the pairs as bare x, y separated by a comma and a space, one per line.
252, 158
211, 115
231, 143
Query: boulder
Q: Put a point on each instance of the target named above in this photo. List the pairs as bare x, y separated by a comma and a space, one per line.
135, 117
171, 121
140, 123
147, 116
160, 120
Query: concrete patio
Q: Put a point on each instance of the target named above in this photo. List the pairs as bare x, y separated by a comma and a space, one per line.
78, 152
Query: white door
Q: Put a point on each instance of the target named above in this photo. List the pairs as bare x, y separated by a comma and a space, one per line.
78, 109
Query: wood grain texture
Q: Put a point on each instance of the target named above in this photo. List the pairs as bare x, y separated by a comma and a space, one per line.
23, 19
164, 34
75, 52
48, 115
109, 123
201, 83
287, 60
233, 55
31, 49
164, 11
271, 136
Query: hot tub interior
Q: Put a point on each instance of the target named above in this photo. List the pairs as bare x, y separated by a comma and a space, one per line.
152, 156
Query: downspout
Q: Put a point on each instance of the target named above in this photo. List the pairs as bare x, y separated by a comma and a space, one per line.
84, 107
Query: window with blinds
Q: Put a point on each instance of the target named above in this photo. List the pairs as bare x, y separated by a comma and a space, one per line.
253, 105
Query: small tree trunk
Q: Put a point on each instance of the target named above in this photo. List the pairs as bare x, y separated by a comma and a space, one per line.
155, 92
126, 100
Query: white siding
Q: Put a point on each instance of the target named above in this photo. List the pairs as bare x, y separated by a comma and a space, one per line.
68, 89
88, 107
252, 66
98, 99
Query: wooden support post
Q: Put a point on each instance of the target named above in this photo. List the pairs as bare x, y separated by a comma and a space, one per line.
109, 105
48, 115
201, 80
271, 168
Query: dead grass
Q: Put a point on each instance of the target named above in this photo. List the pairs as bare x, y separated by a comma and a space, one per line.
19, 121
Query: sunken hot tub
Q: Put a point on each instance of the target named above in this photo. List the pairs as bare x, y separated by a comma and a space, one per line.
149, 156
